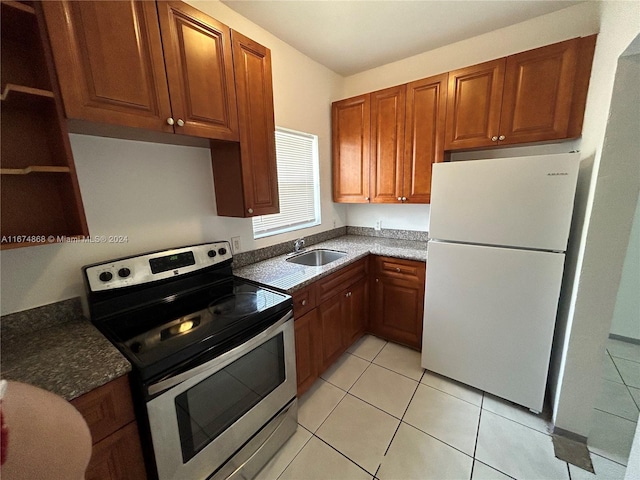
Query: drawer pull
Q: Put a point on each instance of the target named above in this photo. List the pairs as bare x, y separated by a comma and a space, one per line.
303, 302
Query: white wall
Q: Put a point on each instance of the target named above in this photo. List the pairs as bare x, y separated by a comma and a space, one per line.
580, 20
626, 316
162, 196
605, 204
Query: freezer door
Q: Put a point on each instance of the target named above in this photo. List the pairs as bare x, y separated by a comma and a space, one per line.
522, 202
489, 318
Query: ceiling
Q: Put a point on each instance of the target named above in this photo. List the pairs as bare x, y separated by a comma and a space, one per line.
351, 36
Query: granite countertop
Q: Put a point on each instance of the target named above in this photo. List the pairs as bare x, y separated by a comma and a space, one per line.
55, 348
278, 273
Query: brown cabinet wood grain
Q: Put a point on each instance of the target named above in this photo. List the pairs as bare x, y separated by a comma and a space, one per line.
355, 311
387, 144
474, 99
41, 201
164, 67
398, 300
245, 174
331, 327
351, 137
424, 135
197, 53
533, 96
307, 342
117, 453
110, 62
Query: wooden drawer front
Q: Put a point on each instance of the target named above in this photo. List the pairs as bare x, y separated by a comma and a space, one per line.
409, 270
107, 408
336, 282
304, 301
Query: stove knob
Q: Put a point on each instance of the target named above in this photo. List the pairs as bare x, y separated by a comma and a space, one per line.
105, 276
124, 272
222, 251
211, 253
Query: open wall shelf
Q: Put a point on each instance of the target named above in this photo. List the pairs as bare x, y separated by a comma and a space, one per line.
39, 187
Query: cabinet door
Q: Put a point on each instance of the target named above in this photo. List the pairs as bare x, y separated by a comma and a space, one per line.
356, 311
307, 346
398, 300
118, 457
538, 93
473, 105
387, 144
197, 52
331, 327
108, 56
254, 86
424, 135
351, 132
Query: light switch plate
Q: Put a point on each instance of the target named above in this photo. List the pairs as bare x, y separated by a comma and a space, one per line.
235, 244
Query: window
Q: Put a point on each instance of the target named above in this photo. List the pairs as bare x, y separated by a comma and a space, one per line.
298, 183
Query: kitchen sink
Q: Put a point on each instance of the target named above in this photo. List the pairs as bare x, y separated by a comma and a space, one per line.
315, 258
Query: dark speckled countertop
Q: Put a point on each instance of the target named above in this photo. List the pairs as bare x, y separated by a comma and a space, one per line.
278, 273
55, 348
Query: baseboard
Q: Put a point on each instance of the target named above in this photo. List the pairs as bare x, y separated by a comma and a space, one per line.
622, 338
570, 435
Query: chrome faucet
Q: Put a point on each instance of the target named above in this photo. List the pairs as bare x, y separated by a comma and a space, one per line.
298, 245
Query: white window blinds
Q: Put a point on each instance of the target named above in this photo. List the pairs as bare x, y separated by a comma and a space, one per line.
297, 158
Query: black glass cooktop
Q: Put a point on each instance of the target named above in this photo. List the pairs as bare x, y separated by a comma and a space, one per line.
176, 328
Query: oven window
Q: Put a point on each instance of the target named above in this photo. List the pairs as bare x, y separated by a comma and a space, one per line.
210, 407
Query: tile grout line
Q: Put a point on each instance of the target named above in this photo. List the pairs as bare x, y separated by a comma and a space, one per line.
335, 449
450, 394
615, 415
569, 470
624, 382
515, 421
606, 458
475, 445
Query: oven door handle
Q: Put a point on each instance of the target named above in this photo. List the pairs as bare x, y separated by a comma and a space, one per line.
213, 364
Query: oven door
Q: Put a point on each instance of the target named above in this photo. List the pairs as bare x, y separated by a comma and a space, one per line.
206, 414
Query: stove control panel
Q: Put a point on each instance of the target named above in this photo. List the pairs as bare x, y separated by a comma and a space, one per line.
150, 267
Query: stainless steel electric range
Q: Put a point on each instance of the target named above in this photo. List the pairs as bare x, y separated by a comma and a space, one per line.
213, 358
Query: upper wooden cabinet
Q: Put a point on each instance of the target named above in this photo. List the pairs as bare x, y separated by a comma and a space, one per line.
473, 105
393, 135
351, 135
197, 53
538, 95
387, 144
424, 136
245, 174
111, 66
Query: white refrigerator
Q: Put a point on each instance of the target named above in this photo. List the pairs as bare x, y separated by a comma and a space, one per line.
498, 234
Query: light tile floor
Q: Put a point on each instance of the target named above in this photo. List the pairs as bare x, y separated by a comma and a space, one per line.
377, 414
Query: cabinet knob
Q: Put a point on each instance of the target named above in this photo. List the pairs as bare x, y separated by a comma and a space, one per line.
180, 122
250, 210
494, 139
170, 121
366, 198
399, 199
501, 137
404, 199
377, 280
398, 269
303, 302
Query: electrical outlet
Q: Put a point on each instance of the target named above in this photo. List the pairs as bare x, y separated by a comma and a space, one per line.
378, 225
235, 244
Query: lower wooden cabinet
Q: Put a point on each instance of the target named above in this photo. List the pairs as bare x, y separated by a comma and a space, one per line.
332, 313
324, 332
108, 411
306, 336
398, 300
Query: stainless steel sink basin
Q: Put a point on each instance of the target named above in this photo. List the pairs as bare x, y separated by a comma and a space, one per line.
315, 258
